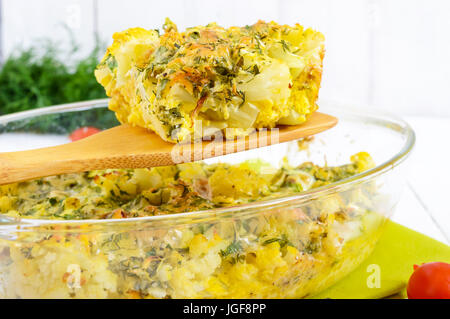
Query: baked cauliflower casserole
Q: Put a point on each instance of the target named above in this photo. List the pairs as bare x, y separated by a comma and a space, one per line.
110, 233
232, 80
289, 251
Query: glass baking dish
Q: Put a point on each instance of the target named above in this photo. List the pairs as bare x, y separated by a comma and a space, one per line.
316, 237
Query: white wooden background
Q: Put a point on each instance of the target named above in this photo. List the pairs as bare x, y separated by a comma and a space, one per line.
385, 54
391, 54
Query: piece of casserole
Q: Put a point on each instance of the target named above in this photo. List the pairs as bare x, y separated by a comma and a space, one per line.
232, 80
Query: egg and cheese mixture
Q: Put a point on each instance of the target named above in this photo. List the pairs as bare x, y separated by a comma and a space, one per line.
231, 79
284, 252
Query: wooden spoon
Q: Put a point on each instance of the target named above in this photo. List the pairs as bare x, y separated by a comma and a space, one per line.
125, 146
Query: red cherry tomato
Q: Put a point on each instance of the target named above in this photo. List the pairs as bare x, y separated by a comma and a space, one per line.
430, 281
83, 132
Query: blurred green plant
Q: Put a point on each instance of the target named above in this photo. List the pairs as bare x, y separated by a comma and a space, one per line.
39, 77
30, 79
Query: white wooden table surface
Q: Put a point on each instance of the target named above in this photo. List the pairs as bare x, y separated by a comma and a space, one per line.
425, 204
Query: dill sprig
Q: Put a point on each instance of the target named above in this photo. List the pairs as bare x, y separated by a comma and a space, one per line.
29, 79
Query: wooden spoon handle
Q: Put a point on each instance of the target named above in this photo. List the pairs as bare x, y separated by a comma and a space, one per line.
118, 147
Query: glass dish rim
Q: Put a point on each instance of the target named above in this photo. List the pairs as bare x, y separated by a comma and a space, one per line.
180, 218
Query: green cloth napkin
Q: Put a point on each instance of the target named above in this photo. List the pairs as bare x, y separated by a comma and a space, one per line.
398, 249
